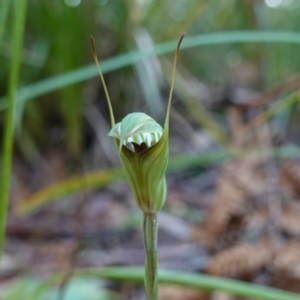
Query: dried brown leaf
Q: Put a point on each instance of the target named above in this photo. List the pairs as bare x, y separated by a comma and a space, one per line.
172, 292
240, 260
238, 182
290, 177
287, 260
289, 221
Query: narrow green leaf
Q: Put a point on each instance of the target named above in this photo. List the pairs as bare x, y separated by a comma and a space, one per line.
87, 72
103, 177
68, 186
197, 281
187, 279
18, 28
4, 8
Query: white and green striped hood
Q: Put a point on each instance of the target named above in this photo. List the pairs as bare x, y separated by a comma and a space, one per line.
137, 128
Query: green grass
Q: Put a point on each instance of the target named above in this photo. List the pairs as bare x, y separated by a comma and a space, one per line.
60, 81
197, 281
4, 8
185, 279
18, 29
100, 178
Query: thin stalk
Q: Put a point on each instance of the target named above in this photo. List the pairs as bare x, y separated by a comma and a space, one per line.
150, 243
18, 28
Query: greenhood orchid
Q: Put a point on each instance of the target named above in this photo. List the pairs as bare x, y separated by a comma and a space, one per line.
143, 147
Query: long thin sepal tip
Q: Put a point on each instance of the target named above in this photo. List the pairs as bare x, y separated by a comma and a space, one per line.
103, 82
179, 42
172, 83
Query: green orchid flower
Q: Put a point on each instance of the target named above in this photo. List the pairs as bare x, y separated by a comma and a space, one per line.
143, 150
143, 147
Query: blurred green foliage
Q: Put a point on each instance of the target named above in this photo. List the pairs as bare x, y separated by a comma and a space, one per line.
57, 41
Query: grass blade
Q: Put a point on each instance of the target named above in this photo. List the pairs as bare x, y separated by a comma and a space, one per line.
198, 281
66, 187
4, 6
103, 177
187, 279
18, 28
85, 73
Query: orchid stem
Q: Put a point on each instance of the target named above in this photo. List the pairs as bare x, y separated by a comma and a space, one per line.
150, 243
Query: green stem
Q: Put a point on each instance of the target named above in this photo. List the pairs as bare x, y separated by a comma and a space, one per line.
18, 28
150, 243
